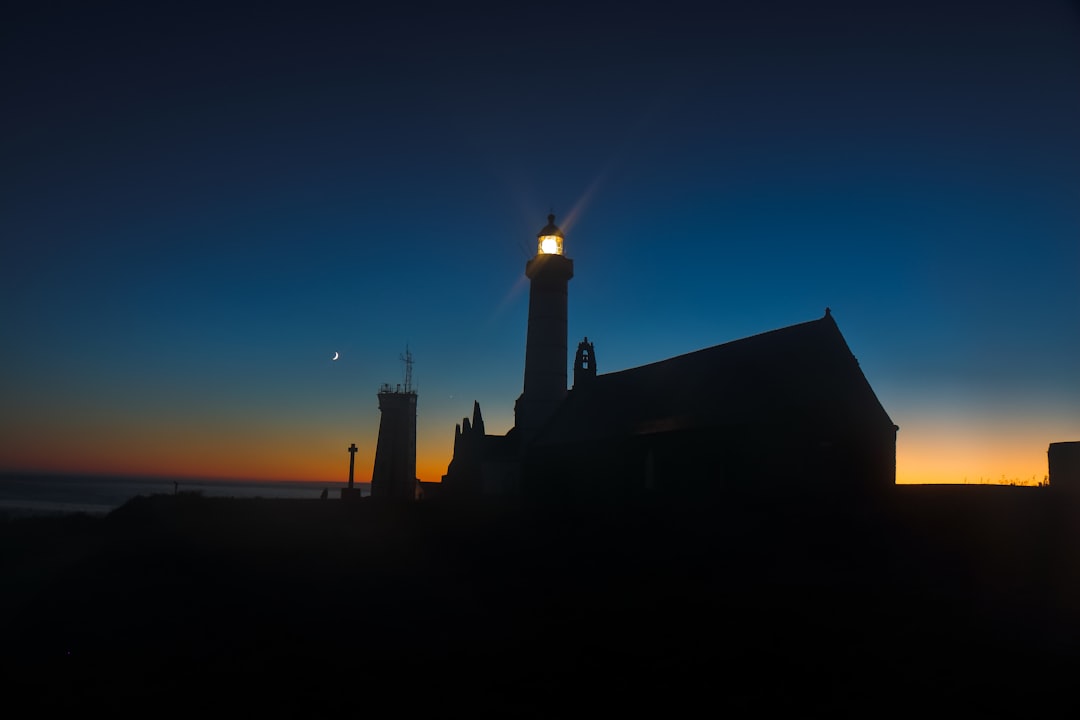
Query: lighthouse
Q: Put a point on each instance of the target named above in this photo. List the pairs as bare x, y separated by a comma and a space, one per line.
549, 274
394, 474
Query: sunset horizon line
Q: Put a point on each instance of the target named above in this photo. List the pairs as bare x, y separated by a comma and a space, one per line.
1003, 479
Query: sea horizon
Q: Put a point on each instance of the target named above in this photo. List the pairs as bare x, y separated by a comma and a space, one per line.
57, 493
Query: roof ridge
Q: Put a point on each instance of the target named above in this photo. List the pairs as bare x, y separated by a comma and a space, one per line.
787, 328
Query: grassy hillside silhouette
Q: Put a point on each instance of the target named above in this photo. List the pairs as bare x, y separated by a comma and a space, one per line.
956, 598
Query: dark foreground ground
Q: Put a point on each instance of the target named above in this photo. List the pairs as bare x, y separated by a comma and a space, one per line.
958, 599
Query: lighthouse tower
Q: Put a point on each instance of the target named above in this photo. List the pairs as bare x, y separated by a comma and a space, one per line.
394, 474
549, 275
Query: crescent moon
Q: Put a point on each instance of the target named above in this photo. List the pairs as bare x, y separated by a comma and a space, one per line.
336, 356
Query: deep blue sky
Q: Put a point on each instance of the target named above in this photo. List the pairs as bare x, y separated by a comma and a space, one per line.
202, 204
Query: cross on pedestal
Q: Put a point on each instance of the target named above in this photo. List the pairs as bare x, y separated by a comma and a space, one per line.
352, 460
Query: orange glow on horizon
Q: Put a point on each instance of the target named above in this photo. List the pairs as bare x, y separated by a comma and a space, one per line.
939, 450
257, 454
918, 467
934, 459
932, 454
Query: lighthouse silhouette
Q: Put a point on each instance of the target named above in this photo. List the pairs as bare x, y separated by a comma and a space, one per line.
549, 274
394, 473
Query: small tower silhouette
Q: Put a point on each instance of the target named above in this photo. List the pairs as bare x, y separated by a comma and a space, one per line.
584, 364
549, 275
394, 474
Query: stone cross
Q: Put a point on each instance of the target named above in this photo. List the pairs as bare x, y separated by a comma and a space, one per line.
352, 460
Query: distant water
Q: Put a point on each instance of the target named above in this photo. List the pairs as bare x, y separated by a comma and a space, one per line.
98, 495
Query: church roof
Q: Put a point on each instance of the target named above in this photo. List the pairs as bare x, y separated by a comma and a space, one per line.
802, 374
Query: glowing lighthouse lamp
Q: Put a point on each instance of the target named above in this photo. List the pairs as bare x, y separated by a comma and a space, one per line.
549, 243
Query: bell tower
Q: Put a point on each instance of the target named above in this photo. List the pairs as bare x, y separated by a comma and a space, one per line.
584, 364
549, 275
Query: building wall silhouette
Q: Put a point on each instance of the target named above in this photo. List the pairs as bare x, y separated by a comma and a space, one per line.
1063, 460
786, 411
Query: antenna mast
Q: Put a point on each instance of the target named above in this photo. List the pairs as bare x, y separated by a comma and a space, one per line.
407, 359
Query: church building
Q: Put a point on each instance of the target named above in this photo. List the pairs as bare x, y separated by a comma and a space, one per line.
784, 412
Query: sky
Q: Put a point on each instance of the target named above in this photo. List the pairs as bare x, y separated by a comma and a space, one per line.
202, 204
